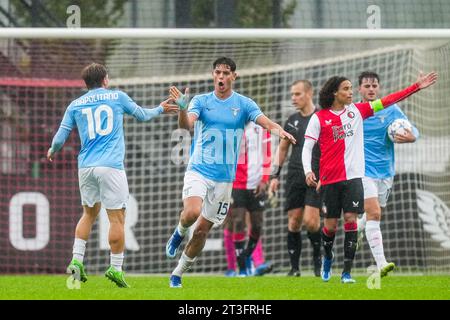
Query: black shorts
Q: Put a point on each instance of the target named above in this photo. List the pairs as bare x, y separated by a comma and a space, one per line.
343, 196
298, 193
243, 198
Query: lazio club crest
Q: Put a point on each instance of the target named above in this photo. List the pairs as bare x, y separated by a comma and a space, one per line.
235, 111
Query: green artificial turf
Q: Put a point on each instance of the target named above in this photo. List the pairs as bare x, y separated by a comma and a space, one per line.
269, 287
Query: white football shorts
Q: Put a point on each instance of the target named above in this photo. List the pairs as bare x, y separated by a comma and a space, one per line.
216, 195
103, 184
380, 188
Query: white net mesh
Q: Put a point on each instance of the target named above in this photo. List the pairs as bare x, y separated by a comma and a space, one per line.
417, 221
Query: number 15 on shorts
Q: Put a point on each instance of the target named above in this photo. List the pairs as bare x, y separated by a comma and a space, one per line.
223, 209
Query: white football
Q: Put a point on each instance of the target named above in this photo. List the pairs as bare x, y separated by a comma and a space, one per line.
398, 126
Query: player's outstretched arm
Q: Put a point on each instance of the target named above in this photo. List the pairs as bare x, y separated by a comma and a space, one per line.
274, 128
168, 106
277, 164
424, 81
57, 143
147, 114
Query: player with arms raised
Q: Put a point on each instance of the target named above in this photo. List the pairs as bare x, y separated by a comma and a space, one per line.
98, 115
219, 118
380, 167
338, 128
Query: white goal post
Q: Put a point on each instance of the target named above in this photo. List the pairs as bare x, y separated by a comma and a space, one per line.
222, 33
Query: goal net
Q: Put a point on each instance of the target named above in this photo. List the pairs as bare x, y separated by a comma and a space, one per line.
40, 202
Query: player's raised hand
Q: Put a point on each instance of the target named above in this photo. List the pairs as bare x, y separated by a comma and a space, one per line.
174, 92
50, 154
424, 81
182, 100
169, 106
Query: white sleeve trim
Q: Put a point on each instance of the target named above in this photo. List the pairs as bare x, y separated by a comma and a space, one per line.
313, 128
307, 155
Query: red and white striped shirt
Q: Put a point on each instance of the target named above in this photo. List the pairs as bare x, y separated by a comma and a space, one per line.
341, 137
254, 158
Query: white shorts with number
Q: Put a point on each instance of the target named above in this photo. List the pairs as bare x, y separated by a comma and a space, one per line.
216, 195
102, 184
380, 188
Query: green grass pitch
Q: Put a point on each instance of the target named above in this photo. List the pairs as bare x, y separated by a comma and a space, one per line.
269, 287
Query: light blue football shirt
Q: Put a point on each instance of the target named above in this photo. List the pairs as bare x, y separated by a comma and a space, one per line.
98, 115
218, 133
378, 148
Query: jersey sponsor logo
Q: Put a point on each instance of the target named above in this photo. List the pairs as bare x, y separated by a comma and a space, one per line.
341, 132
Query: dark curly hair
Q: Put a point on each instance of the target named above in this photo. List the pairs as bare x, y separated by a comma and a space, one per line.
326, 94
226, 61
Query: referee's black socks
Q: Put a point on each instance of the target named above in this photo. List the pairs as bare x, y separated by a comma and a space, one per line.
315, 239
328, 241
294, 243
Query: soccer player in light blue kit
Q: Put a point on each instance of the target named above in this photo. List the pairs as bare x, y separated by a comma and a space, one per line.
219, 118
379, 167
98, 115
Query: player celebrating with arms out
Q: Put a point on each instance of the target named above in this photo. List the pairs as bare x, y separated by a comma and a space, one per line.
219, 118
338, 130
380, 167
98, 116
